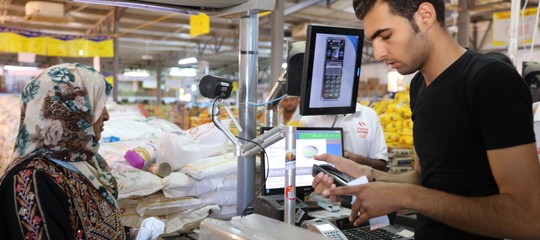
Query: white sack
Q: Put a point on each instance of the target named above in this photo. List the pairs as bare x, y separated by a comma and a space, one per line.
203, 141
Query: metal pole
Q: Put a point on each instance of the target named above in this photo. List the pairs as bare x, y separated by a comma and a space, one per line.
277, 41
276, 59
464, 20
290, 175
513, 33
535, 31
247, 92
159, 92
116, 57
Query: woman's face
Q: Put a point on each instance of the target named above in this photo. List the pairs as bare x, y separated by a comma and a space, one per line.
98, 125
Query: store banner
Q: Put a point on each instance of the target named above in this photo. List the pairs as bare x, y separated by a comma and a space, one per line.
60, 46
20, 40
100, 46
501, 27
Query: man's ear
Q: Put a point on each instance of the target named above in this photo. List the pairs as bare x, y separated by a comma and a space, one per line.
425, 16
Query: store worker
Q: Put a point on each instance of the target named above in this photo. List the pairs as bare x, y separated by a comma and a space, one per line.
57, 186
363, 136
477, 174
289, 111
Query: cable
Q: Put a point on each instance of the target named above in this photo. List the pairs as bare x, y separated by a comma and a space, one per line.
265, 176
335, 120
212, 112
262, 150
269, 102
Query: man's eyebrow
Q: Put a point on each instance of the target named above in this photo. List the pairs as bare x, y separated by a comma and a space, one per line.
377, 33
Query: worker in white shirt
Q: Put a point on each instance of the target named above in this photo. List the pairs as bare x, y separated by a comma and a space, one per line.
363, 135
289, 110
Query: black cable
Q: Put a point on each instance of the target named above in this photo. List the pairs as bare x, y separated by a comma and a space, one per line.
256, 143
265, 176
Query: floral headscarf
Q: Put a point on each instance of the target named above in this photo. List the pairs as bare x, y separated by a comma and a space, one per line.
59, 108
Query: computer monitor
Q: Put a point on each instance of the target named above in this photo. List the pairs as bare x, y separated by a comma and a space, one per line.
531, 75
331, 70
309, 142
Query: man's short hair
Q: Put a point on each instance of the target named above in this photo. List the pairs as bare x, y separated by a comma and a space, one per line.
403, 8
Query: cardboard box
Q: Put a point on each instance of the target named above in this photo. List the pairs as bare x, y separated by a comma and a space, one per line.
373, 81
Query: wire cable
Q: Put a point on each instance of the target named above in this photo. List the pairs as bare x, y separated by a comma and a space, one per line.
265, 176
269, 102
256, 143
212, 112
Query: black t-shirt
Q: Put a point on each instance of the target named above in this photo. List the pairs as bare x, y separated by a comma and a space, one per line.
476, 104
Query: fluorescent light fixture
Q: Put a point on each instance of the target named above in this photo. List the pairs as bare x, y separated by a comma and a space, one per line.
137, 73
189, 60
183, 72
19, 68
143, 5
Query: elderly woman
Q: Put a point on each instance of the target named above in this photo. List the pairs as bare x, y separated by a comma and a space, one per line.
57, 186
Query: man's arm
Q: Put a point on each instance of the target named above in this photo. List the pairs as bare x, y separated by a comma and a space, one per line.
513, 213
379, 164
412, 177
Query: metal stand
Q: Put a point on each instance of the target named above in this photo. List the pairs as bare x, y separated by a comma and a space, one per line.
249, 149
247, 91
290, 175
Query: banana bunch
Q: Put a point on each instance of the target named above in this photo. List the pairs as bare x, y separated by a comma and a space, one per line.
395, 117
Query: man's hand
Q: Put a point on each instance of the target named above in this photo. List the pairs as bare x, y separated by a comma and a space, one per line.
372, 199
378, 164
322, 183
346, 166
355, 157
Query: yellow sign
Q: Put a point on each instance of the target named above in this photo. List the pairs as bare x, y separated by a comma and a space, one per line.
199, 25
21, 40
501, 27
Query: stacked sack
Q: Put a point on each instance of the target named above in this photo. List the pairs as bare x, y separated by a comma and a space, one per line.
395, 117
200, 176
10, 108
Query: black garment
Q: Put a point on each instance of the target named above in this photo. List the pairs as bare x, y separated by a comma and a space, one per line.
43, 200
476, 104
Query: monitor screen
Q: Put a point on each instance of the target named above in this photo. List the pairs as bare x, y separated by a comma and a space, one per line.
309, 142
331, 70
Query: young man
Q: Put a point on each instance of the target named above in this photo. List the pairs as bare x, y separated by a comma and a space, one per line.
477, 174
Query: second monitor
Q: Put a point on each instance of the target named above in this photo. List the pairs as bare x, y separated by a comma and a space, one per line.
309, 142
